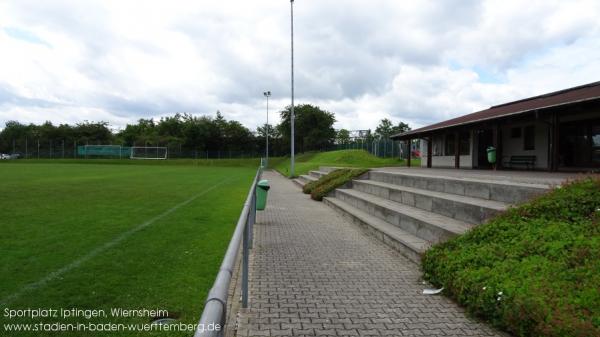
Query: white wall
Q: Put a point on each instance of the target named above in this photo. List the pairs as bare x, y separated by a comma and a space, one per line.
448, 161
514, 146
466, 161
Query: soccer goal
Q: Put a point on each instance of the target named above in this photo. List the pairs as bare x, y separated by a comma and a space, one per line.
148, 152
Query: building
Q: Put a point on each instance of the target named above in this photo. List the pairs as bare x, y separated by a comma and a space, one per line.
555, 131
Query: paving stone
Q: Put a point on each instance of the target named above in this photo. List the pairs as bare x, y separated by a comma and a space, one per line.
312, 273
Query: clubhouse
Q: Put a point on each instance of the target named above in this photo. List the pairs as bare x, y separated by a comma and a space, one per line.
558, 131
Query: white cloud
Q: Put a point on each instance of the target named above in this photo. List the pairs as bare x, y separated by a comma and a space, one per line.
419, 62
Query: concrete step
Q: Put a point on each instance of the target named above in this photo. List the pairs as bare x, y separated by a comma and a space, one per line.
407, 244
468, 209
317, 174
429, 226
504, 191
328, 169
306, 178
299, 182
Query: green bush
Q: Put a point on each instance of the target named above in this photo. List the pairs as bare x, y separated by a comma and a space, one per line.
327, 183
310, 186
534, 270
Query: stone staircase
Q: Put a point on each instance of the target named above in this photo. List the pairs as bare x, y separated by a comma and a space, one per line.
410, 212
312, 176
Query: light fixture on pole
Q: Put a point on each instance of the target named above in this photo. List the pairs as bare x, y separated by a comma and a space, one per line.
292, 82
267, 94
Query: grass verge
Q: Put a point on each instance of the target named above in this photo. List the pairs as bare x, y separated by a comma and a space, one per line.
327, 183
309, 161
534, 270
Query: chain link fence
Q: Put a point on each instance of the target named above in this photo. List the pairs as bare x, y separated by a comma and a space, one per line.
383, 148
61, 149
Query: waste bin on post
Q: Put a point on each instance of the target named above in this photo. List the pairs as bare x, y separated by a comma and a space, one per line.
491, 155
262, 189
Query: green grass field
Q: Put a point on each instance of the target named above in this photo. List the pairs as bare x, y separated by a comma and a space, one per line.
102, 235
309, 161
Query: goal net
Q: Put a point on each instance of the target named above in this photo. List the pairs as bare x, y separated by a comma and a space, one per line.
148, 152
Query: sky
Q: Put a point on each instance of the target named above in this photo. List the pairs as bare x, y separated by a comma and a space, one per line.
419, 62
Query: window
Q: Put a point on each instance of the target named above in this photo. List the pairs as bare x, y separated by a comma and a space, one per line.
515, 132
529, 139
464, 144
450, 145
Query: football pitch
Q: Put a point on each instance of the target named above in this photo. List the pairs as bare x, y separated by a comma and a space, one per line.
104, 237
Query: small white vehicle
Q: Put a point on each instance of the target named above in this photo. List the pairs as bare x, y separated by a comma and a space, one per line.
4, 156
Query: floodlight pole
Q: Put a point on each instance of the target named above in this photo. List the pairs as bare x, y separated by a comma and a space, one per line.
267, 94
292, 109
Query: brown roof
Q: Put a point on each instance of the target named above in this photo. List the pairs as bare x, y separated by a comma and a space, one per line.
576, 94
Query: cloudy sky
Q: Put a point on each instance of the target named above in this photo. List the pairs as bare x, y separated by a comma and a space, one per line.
413, 61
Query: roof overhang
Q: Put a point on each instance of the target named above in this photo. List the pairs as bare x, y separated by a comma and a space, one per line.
460, 122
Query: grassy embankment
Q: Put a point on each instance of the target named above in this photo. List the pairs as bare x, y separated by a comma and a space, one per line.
309, 161
534, 270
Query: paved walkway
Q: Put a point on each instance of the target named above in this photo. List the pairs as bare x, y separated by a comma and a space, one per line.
314, 274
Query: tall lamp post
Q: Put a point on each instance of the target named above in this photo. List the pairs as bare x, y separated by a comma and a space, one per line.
292, 110
267, 94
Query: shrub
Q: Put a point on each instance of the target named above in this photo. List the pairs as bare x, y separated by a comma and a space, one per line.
327, 183
533, 270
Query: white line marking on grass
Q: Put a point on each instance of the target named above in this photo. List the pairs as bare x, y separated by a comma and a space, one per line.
53, 275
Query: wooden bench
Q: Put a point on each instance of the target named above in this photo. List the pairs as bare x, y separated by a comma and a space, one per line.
527, 161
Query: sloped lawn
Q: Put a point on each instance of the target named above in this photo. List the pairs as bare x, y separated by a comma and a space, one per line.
309, 161
532, 271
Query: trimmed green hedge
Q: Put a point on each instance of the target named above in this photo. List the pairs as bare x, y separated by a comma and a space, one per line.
534, 270
329, 182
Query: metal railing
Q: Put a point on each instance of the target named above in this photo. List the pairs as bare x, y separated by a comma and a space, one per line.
215, 308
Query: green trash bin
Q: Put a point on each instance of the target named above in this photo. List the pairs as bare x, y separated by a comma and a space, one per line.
491, 155
262, 189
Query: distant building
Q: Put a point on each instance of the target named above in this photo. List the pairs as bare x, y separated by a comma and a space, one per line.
555, 131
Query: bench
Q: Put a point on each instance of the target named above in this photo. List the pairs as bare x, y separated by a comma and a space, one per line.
527, 161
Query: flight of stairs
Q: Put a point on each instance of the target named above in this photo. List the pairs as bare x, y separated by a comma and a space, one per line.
410, 212
312, 175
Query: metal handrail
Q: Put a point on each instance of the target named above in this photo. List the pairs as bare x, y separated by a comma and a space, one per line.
215, 308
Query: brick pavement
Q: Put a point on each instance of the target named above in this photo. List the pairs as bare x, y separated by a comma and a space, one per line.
314, 274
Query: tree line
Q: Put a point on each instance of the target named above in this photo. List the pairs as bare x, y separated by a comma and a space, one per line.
187, 134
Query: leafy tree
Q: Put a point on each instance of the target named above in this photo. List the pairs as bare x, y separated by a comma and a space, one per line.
139, 134
185, 132
313, 127
342, 136
386, 128
276, 144
237, 137
93, 132
170, 126
197, 132
261, 132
